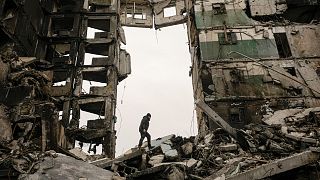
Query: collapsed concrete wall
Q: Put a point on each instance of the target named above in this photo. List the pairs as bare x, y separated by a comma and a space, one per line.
149, 14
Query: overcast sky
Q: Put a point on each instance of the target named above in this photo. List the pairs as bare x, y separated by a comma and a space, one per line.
159, 84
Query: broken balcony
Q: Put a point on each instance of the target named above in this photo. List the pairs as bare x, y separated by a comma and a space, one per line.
63, 26
100, 46
89, 135
97, 74
69, 6
61, 83
169, 13
100, 91
94, 132
133, 15
103, 23
95, 105
102, 61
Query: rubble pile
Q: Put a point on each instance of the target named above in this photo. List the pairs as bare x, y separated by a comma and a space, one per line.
218, 154
23, 161
30, 124
269, 141
61, 166
24, 104
303, 123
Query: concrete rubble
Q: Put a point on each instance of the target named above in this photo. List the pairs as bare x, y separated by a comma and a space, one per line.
64, 167
269, 153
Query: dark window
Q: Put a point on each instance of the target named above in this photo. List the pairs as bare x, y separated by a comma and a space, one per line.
227, 38
282, 45
206, 78
219, 8
237, 76
62, 23
237, 115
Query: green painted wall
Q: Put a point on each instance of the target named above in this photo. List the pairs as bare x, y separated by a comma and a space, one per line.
260, 48
235, 17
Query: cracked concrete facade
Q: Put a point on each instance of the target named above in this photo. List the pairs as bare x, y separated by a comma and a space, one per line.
250, 54
43, 50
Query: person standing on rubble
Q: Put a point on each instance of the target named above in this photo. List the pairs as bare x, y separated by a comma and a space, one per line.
143, 129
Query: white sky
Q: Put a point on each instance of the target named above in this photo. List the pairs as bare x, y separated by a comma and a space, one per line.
159, 84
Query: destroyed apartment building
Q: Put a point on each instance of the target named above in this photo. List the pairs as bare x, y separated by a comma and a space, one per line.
256, 80
43, 49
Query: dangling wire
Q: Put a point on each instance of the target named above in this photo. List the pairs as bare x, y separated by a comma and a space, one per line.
192, 121
118, 131
124, 89
156, 33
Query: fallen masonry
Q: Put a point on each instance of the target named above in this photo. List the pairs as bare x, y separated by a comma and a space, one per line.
207, 161
266, 151
270, 154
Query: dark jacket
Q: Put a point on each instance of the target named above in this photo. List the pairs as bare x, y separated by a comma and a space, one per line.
144, 124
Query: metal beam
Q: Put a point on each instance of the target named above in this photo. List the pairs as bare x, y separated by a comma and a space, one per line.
279, 166
216, 118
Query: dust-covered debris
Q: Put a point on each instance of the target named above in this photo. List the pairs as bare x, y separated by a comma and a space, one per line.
61, 166
219, 155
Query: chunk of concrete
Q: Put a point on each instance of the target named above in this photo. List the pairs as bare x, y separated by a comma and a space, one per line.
176, 174
106, 162
156, 159
208, 138
199, 164
191, 163
171, 154
228, 147
118, 178
157, 142
143, 164
222, 177
187, 148
79, 153
165, 148
219, 160
65, 167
